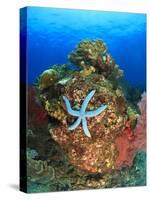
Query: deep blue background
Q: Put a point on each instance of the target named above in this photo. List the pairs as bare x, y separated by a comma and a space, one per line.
53, 33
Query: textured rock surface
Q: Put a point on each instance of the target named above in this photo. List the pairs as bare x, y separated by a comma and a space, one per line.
96, 154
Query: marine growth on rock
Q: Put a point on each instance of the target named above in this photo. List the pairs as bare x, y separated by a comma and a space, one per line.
91, 95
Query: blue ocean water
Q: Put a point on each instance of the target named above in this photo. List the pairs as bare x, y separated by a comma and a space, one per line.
53, 33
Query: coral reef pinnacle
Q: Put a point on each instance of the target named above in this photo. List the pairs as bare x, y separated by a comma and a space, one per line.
82, 113
116, 136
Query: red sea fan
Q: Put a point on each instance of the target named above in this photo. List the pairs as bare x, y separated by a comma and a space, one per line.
132, 141
125, 148
36, 113
140, 130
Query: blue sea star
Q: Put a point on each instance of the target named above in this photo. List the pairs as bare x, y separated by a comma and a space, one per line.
82, 113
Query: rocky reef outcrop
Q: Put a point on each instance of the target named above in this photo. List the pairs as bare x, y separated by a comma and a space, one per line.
68, 159
101, 152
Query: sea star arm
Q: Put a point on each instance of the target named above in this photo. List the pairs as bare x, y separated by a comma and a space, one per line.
96, 112
86, 101
85, 127
75, 124
69, 109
